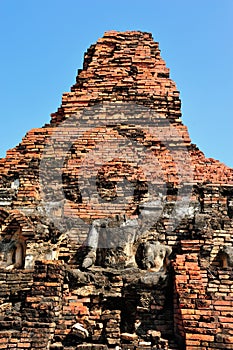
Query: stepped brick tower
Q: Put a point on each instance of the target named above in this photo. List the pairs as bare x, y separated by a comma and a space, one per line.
116, 231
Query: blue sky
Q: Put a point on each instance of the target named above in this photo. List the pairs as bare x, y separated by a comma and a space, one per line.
43, 43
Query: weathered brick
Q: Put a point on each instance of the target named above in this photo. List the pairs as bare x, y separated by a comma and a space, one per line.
125, 68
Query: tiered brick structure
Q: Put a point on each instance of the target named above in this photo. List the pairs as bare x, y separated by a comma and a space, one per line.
49, 299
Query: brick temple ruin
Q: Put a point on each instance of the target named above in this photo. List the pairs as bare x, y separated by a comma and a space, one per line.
82, 271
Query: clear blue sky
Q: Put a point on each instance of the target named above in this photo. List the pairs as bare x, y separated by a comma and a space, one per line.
43, 42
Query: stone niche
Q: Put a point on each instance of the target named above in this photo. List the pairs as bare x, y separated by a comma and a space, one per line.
134, 252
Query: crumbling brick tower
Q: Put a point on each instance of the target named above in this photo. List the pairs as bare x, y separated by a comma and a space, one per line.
116, 231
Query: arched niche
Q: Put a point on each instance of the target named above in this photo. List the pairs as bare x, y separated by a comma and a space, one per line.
12, 246
16, 229
12, 254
